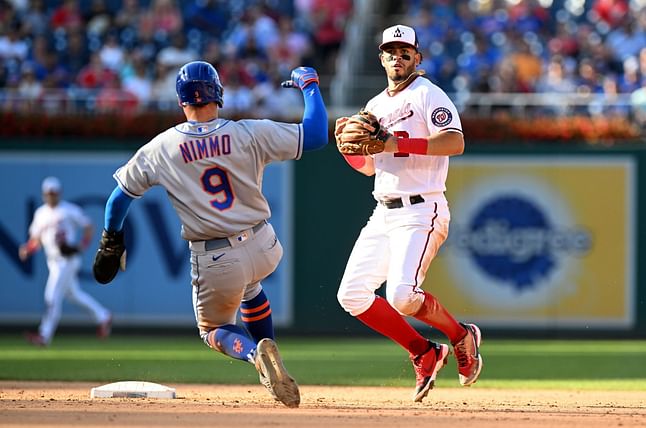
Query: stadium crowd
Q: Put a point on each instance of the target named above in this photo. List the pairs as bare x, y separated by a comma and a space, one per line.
536, 46
126, 52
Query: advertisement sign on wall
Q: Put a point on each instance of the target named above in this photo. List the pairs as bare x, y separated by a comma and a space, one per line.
544, 242
155, 290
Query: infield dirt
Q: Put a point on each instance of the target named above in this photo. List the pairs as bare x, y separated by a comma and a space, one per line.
55, 404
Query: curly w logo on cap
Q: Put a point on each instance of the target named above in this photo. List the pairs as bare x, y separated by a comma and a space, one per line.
399, 34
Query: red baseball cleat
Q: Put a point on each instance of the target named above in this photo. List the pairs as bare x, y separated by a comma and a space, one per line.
467, 352
35, 339
104, 329
426, 366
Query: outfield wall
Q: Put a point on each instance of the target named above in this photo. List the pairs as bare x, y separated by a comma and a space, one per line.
543, 239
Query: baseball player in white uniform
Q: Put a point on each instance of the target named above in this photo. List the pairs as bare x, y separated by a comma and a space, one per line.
55, 227
411, 219
212, 169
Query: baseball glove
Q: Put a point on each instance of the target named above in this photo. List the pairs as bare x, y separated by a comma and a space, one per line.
68, 250
360, 135
110, 257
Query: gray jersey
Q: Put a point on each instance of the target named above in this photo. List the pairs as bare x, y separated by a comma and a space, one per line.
212, 171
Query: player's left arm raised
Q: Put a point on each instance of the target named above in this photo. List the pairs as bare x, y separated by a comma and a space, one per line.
315, 132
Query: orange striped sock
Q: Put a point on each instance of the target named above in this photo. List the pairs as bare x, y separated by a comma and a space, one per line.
256, 317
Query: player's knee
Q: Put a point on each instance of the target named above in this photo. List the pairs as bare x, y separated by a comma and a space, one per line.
353, 302
343, 300
405, 301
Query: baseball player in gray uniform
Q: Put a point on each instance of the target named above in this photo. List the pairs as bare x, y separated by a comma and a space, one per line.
212, 169
421, 129
55, 227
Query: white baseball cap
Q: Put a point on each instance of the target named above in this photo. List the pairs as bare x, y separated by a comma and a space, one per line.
51, 184
399, 34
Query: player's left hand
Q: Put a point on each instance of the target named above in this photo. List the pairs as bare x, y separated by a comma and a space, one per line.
361, 135
301, 77
68, 250
110, 257
338, 128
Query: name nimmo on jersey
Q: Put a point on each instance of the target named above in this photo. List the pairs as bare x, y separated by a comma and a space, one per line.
208, 147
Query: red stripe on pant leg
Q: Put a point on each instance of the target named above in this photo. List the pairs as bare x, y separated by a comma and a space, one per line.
428, 238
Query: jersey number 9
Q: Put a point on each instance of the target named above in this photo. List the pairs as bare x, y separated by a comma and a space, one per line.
215, 181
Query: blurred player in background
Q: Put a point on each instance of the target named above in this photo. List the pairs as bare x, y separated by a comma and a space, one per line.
55, 227
212, 169
411, 219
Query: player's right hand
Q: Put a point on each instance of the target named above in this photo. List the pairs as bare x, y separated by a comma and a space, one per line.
301, 77
110, 257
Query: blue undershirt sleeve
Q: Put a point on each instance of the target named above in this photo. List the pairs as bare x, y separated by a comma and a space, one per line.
315, 133
116, 210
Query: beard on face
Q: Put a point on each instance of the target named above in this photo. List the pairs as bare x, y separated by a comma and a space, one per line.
401, 74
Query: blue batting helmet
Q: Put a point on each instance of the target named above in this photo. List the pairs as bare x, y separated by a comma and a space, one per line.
198, 83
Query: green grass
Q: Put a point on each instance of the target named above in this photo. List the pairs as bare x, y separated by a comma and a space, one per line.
611, 365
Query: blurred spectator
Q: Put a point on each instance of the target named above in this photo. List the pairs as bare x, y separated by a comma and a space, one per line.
76, 54
234, 68
12, 46
19, 5
556, 78
274, 101
587, 81
564, 42
526, 64
128, 17
638, 104
527, 16
34, 19
95, 75
29, 88
611, 12
139, 82
111, 53
238, 98
626, 40
163, 86
67, 16
329, 19
177, 53
264, 29
113, 99
99, 18
630, 79
56, 74
165, 17
210, 17
642, 63
255, 29
612, 106
290, 50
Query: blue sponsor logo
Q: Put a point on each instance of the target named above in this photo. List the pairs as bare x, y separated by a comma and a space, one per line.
511, 239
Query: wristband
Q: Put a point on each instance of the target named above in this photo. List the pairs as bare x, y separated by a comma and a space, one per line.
85, 242
31, 246
356, 162
417, 146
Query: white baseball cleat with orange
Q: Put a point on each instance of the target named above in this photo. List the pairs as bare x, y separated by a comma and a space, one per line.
273, 374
